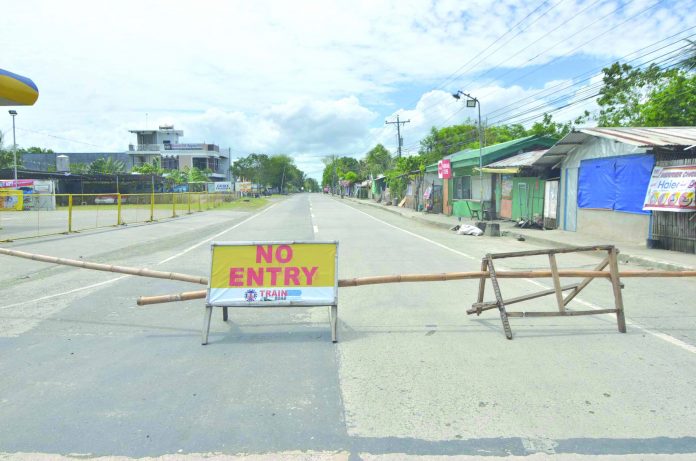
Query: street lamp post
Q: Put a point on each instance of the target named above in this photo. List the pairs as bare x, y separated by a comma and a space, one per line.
474, 102
13, 113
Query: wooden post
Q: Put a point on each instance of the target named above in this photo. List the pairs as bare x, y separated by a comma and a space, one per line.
482, 282
616, 286
556, 283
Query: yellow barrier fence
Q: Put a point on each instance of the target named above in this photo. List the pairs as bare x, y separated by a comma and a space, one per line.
48, 214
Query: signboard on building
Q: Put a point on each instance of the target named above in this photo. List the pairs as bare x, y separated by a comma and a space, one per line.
672, 189
196, 146
273, 274
444, 169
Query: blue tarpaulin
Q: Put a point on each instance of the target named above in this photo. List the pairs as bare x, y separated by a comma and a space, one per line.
632, 178
597, 183
615, 183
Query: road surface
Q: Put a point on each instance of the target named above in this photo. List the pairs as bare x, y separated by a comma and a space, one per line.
84, 371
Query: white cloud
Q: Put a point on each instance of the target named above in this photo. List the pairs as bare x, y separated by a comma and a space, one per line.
304, 77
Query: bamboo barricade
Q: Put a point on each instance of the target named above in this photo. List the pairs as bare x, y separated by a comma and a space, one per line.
444, 277
107, 267
487, 272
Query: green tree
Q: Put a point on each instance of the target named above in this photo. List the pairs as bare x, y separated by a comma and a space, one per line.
7, 156
647, 97
689, 62
377, 160
335, 169
673, 104
107, 166
79, 168
36, 150
148, 168
547, 127
311, 185
195, 175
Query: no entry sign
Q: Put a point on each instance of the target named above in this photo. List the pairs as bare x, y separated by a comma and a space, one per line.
273, 274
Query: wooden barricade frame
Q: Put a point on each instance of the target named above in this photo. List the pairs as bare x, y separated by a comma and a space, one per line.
610, 261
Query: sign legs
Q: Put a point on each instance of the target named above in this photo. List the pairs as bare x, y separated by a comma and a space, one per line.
333, 316
206, 323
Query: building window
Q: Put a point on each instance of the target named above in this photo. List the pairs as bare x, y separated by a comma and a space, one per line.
200, 163
170, 163
461, 187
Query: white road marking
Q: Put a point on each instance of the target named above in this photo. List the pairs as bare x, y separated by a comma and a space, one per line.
415, 235
663, 336
181, 253
44, 298
193, 247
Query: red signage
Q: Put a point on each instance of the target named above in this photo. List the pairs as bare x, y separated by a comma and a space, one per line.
444, 169
18, 183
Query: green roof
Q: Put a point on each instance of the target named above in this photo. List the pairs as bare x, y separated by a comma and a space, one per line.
470, 157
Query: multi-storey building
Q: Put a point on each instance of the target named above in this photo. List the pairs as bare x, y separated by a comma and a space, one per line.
163, 146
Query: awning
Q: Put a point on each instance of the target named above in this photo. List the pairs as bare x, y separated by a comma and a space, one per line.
508, 170
16, 90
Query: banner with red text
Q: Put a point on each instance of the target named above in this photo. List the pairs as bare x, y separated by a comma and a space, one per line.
273, 274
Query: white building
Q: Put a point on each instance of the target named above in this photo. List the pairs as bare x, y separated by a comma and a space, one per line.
163, 146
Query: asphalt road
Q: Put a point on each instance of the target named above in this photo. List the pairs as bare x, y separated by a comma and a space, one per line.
84, 371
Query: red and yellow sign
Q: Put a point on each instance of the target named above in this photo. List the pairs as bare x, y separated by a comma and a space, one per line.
273, 274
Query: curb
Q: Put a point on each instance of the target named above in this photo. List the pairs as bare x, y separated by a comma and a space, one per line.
624, 258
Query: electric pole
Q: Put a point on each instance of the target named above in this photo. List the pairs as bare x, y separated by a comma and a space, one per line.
398, 133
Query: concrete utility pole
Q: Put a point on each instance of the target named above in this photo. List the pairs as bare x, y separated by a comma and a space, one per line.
398, 132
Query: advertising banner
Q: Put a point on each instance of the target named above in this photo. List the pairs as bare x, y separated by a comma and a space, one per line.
444, 169
11, 200
672, 189
18, 183
221, 186
258, 274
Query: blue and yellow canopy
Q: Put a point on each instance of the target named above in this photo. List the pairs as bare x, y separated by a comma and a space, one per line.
16, 90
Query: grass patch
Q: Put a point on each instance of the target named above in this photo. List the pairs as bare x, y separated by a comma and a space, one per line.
244, 205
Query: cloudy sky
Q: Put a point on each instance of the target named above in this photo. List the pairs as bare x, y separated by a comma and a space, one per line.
314, 78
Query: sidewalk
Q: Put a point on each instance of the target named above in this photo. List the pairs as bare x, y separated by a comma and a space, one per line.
630, 252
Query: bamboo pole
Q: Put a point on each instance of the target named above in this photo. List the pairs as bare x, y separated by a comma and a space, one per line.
187, 296
107, 267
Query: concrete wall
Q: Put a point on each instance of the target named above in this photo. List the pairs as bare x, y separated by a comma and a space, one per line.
610, 225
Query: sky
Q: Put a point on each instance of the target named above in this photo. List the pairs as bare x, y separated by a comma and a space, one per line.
314, 78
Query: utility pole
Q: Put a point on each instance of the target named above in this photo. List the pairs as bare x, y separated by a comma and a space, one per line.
398, 132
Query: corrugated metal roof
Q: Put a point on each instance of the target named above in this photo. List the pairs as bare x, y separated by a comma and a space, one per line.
665, 137
495, 152
523, 159
648, 137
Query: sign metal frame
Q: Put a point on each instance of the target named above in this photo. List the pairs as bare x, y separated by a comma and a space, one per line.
333, 304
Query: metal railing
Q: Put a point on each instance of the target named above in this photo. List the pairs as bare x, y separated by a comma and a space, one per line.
50, 214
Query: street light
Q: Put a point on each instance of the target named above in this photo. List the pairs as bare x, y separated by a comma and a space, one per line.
13, 113
473, 102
